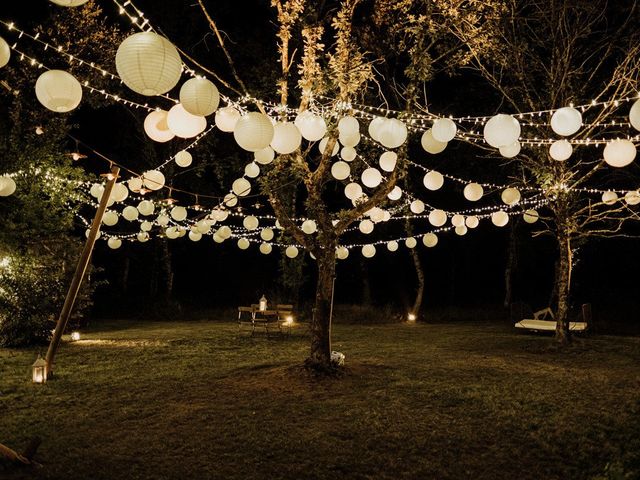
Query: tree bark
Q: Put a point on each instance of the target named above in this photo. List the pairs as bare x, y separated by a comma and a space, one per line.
512, 261
563, 279
417, 263
320, 356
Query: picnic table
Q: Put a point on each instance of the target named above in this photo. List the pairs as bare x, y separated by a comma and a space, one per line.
271, 320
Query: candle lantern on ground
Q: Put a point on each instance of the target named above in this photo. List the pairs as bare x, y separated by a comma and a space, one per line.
39, 370
263, 303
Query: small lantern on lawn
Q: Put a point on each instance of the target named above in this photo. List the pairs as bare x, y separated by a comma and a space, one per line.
263, 303
288, 320
75, 336
39, 370
411, 317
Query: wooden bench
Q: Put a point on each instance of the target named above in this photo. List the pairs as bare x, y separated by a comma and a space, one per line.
271, 320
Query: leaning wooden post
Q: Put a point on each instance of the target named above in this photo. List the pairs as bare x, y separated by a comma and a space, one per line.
72, 294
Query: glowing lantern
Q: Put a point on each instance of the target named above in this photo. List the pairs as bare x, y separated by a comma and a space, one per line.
530, 216
286, 137
461, 230
39, 371
199, 97
146, 226
632, 197
501, 130
146, 207
348, 154
153, 179
352, 191
323, 144
349, 140
114, 243
433, 180
7, 186
254, 131
371, 177
430, 240
312, 127
142, 237
388, 161
472, 221
340, 170
148, 63
69, 3
130, 213
348, 126
250, 223
252, 170
183, 158
457, 220
195, 236
566, 121
110, 218
366, 226
179, 214
511, 150
75, 336
265, 248
183, 124
395, 194
309, 227
5, 52
135, 184
392, 133
511, 196
342, 253
241, 187
224, 232
120, 192
634, 115
444, 130
226, 119
500, 218
410, 242
266, 234
59, 91
430, 144
230, 199
264, 156
609, 197
368, 251
291, 251
417, 206
156, 127
243, 243
163, 220
473, 192
392, 246
437, 217
619, 153
560, 150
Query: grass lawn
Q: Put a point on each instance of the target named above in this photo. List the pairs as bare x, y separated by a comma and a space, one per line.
449, 401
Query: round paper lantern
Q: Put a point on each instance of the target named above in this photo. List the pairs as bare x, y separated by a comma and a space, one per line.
252, 170
265, 248
110, 218
250, 222
457, 220
609, 197
511, 150
286, 137
444, 130
59, 91
376, 214
634, 115
349, 140
433, 180
264, 156
142, 237
368, 251
530, 216
410, 242
473, 192
348, 125
230, 200
183, 124
219, 215
266, 234
156, 127
88, 231
430, 144
7, 186
148, 63
130, 213
340, 170
114, 243
309, 227
437, 217
632, 197
120, 192
96, 190
366, 226
135, 184
146, 207
392, 246
501, 130
146, 226
153, 179
417, 207
203, 226
374, 128
312, 127
395, 194
342, 253
241, 187
510, 196
291, 251
224, 232
461, 230
254, 131
371, 177
566, 121
183, 158
195, 236
323, 144
199, 97
163, 220
388, 161
430, 240
353, 191
392, 133
69, 3
5, 52
348, 154
472, 221
619, 153
500, 218
243, 243
560, 150
226, 119
179, 214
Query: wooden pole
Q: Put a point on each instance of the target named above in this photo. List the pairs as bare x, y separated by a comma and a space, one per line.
78, 276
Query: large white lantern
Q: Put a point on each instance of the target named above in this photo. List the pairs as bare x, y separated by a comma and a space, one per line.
368, 251
199, 97
69, 3
410, 242
430, 240
473, 192
349, 140
634, 115
135, 184
156, 127
511, 150
163, 220
291, 251
243, 243
340, 170
433, 180
472, 221
619, 153
309, 227
231, 199
430, 144
148, 63
392, 133
348, 126
7, 186
252, 170
342, 253
510, 196
146, 207
254, 131
183, 124
366, 226
566, 121
352, 191
461, 230
312, 127
348, 154
153, 179
609, 197
130, 213
114, 243
388, 161
395, 194
560, 150
59, 91
500, 218
392, 246
241, 187
120, 192
183, 158
195, 236
530, 216
444, 130
371, 177
266, 234
286, 137
146, 226
501, 130
323, 144
264, 156
437, 217
5, 52
251, 222
417, 207
265, 248
110, 218
457, 220
179, 214
226, 119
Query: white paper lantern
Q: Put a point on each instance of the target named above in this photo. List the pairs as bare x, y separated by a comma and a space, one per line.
148, 63
114, 243
374, 128
203, 226
286, 138
183, 158
437, 217
120, 192
417, 207
388, 161
609, 197
348, 154
179, 214
163, 220
444, 130
342, 253
241, 187
59, 91
312, 127
219, 215
226, 119
500, 218
461, 230
130, 213
230, 200
632, 197
291, 251
366, 226
619, 153
135, 184
340, 170
457, 220
266, 234
243, 243
473, 192
395, 194
265, 248
410, 242
252, 170
348, 125
69, 3
634, 115
430, 240
511, 150
309, 227
353, 190
251, 222
195, 236
146, 207
96, 190
472, 221
87, 232
224, 232
566, 121
7, 186
183, 124
254, 131
392, 133
510, 196
153, 179
371, 177
368, 251
430, 144
156, 127
142, 237
264, 156
146, 226
199, 97
433, 180
110, 218
349, 140
5, 52
501, 130
377, 214
560, 150
392, 246
323, 144
530, 216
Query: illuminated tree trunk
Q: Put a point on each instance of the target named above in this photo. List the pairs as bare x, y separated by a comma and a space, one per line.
320, 357
563, 278
417, 303
512, 262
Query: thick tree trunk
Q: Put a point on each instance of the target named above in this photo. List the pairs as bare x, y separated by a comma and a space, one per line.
512, 261
320, 356
417, 304
563, 279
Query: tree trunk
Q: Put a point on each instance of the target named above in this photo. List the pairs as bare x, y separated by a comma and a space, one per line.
512, 261
563, 279
417, 304
320, 357
366, 284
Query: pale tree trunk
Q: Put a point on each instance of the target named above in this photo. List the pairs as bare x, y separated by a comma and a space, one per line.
320, 356
563, 279
512, 261
417, 263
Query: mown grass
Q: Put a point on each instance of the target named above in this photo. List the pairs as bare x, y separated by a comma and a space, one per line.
448, 401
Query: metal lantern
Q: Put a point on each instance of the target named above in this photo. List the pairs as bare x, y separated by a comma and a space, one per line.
263, 303
39, 370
